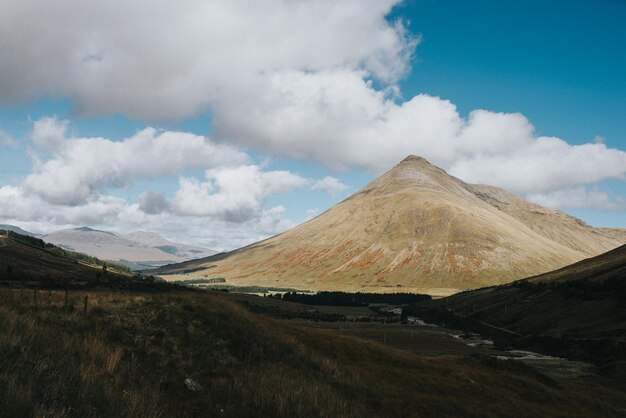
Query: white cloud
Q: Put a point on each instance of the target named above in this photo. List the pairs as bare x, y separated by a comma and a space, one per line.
29, 211
338, 119
49, 133
79, 167
153, 203
311, 213
544, 165
7, 140
291, 78
313, 80
579, 198
330, 185
172, 60
233, 194
17, 204
67, 187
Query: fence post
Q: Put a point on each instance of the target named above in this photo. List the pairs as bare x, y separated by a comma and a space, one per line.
86, 302
49, 297
35, 297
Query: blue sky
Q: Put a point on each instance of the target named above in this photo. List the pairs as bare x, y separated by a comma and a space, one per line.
296, 106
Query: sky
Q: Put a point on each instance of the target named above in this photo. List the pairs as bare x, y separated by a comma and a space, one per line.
223, 122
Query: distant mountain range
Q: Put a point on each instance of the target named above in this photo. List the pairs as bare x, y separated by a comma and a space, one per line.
415, 228
16, 229
139, 250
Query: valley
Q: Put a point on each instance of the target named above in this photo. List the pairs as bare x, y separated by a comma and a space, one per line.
312, 209
76, 343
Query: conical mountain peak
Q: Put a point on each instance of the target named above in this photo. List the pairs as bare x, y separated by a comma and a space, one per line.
415, 162
417, 171
414, 159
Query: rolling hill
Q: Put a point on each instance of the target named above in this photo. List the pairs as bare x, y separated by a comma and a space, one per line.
27, 261
415, 228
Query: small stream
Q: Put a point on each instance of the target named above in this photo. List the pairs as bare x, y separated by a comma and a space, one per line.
549, 365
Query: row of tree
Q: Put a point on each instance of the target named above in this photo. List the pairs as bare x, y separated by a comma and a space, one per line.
351, 299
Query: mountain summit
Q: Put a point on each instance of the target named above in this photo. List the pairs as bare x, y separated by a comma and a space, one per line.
414, 228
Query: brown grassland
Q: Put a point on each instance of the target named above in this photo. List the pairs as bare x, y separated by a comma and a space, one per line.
131, 352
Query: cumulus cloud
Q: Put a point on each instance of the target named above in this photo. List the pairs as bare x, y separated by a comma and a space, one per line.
546, 164
115, 56
80, 167
29, 211
153, 203
331, 185
19, 205
338, 119
233, 194
7, 140
579, 198
49, 133
312, 80
311, 213
71, 175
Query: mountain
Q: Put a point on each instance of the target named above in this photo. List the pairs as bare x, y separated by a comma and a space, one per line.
138, 250
155, 240
415, 228
16, 229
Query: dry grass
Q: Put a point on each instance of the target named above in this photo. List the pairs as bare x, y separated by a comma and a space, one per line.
131, 353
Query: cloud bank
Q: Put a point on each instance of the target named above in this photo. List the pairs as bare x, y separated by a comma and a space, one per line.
311, 80
72, 176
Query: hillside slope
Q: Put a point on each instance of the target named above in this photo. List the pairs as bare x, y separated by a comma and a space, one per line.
576, 311
414, 228
201, 355
22, 263
583, 300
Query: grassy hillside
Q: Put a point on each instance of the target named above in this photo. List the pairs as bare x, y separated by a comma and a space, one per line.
131, 354
29, 262
147, 349
578, 311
